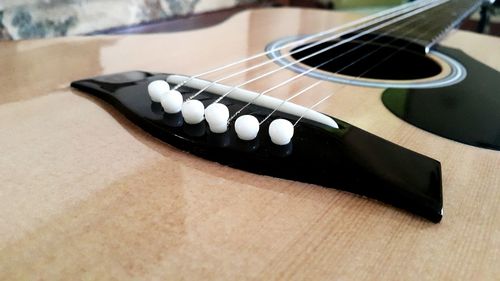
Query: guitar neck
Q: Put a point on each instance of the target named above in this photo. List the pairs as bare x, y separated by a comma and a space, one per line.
430, 26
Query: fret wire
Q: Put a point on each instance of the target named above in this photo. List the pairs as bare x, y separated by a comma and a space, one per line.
445, 18
453, 24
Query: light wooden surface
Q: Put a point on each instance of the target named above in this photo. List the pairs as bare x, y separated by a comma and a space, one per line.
85, 194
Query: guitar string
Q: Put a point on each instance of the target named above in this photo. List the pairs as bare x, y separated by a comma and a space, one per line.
343, 68
357, 77
289, 99
282, 56
316, 67
320, 51
468, 10
308, 38
303, 73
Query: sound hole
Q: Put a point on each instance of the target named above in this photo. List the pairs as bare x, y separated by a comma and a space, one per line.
376, 58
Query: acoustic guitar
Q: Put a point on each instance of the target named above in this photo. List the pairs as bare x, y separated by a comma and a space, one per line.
374, 156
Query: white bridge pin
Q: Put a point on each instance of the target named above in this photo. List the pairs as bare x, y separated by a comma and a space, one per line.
172, 102
193, 111
281, 131
217, 116
157, 89
247, 127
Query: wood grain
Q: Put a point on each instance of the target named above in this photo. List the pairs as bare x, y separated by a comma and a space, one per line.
85, 194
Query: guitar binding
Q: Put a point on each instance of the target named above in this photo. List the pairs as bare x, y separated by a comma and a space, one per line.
346, 158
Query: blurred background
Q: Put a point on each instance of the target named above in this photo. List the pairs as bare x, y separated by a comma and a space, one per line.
29, 19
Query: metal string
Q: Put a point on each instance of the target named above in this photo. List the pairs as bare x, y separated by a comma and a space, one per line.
290, 98
416, 11
289, 54
401, 8
317, 83
357, 77
318, 66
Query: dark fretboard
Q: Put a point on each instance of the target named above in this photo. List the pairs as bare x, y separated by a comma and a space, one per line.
429, 27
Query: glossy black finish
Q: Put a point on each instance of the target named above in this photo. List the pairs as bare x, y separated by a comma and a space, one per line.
347, 158
468, 112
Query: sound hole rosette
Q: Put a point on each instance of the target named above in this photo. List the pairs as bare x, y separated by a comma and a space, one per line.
452, 71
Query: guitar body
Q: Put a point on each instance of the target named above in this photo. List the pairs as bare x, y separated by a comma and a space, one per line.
87, 193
